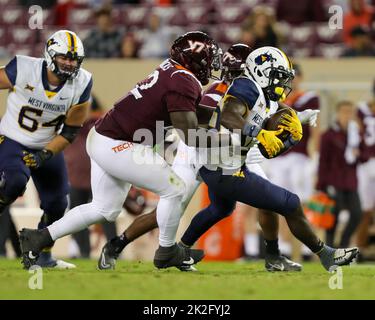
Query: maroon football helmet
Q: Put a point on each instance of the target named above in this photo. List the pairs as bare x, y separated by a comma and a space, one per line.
234, 61
197, 52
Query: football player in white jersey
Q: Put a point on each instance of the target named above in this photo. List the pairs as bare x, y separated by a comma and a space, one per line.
47, 104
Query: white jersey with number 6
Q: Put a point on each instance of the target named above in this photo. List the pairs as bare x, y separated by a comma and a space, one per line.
35, 113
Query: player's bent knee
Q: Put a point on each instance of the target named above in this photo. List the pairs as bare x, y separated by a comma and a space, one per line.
14, 184
177, 189
224, 210
292, 203
108, 214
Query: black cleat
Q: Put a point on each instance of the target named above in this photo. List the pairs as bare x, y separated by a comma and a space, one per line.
280, 263
32, 242
108, 257
177, 256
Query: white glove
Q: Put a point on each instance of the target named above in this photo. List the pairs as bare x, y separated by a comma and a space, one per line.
254, 156
308, 116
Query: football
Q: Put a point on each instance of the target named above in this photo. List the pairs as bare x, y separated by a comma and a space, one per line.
272, 123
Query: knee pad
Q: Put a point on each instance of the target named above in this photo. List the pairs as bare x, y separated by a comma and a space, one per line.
13, 185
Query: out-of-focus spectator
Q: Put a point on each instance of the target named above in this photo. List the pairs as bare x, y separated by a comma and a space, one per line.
129, 46
259, 30
301, 11
361, 45
105, 40
158, 39
339, 156
359, 15
366, 173
62, 10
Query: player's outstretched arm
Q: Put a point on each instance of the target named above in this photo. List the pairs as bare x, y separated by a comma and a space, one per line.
4, 80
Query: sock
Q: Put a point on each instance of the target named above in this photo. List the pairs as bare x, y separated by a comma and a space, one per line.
272, 247
75, 220
120, 242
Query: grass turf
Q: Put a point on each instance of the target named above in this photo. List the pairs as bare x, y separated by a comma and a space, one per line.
140, 280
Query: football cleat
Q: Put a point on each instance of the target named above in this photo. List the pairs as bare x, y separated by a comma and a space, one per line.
177, 256
280, 263
108, 257
46, 260
32, 242
333, 258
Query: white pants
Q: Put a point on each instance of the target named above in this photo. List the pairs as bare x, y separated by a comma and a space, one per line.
366, 184
115, 166
294, 172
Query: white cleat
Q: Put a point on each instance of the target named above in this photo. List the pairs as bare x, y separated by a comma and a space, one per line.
60, 264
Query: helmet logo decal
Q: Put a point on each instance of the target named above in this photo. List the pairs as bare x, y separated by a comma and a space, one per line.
51, 42
196, 46
265, 57
229, 56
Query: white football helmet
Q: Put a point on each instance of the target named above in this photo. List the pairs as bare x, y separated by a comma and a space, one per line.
64, 43
272, 70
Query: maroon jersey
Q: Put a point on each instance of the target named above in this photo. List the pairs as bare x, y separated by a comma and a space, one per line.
209, 111
213, 94
300, 102
333, 168
169, 88
367, 118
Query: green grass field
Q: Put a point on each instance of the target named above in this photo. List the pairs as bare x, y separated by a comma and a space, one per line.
138, 280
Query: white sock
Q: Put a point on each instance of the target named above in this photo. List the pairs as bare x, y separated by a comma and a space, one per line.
75, 220
252, 244
168, 215
285, 247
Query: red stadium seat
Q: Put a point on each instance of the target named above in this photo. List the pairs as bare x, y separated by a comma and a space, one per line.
13, 15
135, 16
20, 49
21, 35
81, 16
3, 36
329, 51
232, 13
229, 34
328, 35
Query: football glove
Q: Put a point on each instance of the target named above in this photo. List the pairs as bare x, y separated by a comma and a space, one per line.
36, 160
270, 141
292, 125
308, 116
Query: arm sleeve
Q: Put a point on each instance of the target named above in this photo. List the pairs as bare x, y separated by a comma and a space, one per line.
11, 70
245, 90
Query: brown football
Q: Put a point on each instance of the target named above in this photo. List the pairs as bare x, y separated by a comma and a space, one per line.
272, 124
